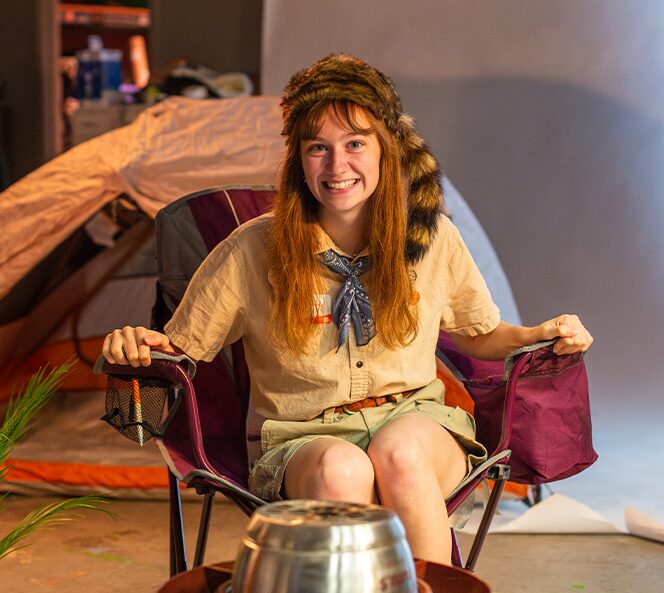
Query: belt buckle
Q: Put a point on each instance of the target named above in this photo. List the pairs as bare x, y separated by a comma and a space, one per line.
347, 411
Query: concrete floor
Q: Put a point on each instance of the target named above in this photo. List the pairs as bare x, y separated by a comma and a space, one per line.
95, 554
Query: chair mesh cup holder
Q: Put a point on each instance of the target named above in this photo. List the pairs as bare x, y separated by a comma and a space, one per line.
135, 406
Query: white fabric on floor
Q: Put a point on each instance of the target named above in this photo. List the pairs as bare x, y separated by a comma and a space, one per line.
621, 487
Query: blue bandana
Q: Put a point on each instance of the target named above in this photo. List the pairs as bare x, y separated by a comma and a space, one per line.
352, 301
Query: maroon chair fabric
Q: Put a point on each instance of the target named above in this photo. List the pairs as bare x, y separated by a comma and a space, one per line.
221, 387
547, 424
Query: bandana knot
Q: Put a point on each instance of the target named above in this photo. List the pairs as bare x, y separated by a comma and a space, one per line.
352, 301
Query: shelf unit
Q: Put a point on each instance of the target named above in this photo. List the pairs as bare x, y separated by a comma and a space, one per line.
115, 25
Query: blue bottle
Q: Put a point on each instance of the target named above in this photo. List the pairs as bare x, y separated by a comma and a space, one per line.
88, 78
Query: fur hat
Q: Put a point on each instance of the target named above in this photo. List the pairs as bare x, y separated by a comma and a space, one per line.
341, 77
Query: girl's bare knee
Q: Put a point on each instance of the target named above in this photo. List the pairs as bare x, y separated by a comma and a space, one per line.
343, 472
402, 460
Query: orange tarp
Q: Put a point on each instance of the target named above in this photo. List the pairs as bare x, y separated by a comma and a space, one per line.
81, 378
80, 474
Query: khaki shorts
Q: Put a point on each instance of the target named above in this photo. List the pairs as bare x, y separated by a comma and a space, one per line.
281, 439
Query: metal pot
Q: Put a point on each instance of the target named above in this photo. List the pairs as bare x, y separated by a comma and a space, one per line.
310, 546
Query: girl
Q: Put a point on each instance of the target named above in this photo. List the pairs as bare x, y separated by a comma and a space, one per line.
353, 274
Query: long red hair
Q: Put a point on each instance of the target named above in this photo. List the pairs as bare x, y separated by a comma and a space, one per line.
294, 267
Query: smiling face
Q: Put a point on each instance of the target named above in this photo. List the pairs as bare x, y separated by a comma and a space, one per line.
341, 165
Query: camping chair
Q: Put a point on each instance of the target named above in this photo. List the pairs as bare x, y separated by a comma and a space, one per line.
204, 444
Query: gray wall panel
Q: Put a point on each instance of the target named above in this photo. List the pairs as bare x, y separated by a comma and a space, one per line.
548, 118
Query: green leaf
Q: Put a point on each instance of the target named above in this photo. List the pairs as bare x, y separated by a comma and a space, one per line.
23, 407
21, 410
47, 516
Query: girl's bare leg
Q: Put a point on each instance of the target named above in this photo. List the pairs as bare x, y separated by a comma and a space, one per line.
416, 464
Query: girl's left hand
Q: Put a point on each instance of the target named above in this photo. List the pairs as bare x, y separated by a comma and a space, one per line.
571, 333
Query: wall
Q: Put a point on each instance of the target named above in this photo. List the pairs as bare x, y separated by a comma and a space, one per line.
221, 34
23, 86
548, 117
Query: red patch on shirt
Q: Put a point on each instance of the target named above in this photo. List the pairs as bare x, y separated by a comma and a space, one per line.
322, 319
322, 310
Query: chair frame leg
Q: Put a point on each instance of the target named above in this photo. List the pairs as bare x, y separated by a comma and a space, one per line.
203, 528
457, 560
177, 546
483, 529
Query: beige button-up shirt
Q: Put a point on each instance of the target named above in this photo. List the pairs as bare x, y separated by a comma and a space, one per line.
230, 297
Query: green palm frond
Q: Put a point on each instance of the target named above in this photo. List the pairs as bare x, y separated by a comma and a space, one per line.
22, 408
48, 516
20, 412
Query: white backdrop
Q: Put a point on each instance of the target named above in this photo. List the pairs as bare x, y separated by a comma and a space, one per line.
548, 118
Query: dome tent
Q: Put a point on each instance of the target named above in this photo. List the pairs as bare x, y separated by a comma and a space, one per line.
77, 261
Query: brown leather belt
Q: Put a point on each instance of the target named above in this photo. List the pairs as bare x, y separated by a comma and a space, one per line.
372, 402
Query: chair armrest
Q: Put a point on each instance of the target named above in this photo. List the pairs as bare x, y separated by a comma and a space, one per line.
163, 366
546, 360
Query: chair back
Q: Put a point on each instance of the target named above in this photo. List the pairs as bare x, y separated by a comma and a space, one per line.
186, 231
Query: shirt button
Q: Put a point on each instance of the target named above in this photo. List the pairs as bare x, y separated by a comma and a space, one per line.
359, 364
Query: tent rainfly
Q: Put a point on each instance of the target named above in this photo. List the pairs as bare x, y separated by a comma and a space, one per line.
77, 260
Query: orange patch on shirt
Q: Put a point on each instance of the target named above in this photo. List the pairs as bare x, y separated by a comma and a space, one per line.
322, 319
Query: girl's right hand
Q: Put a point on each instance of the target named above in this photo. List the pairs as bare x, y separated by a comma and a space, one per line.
132, 345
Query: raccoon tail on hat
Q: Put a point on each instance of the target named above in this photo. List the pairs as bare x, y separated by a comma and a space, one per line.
425, 192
